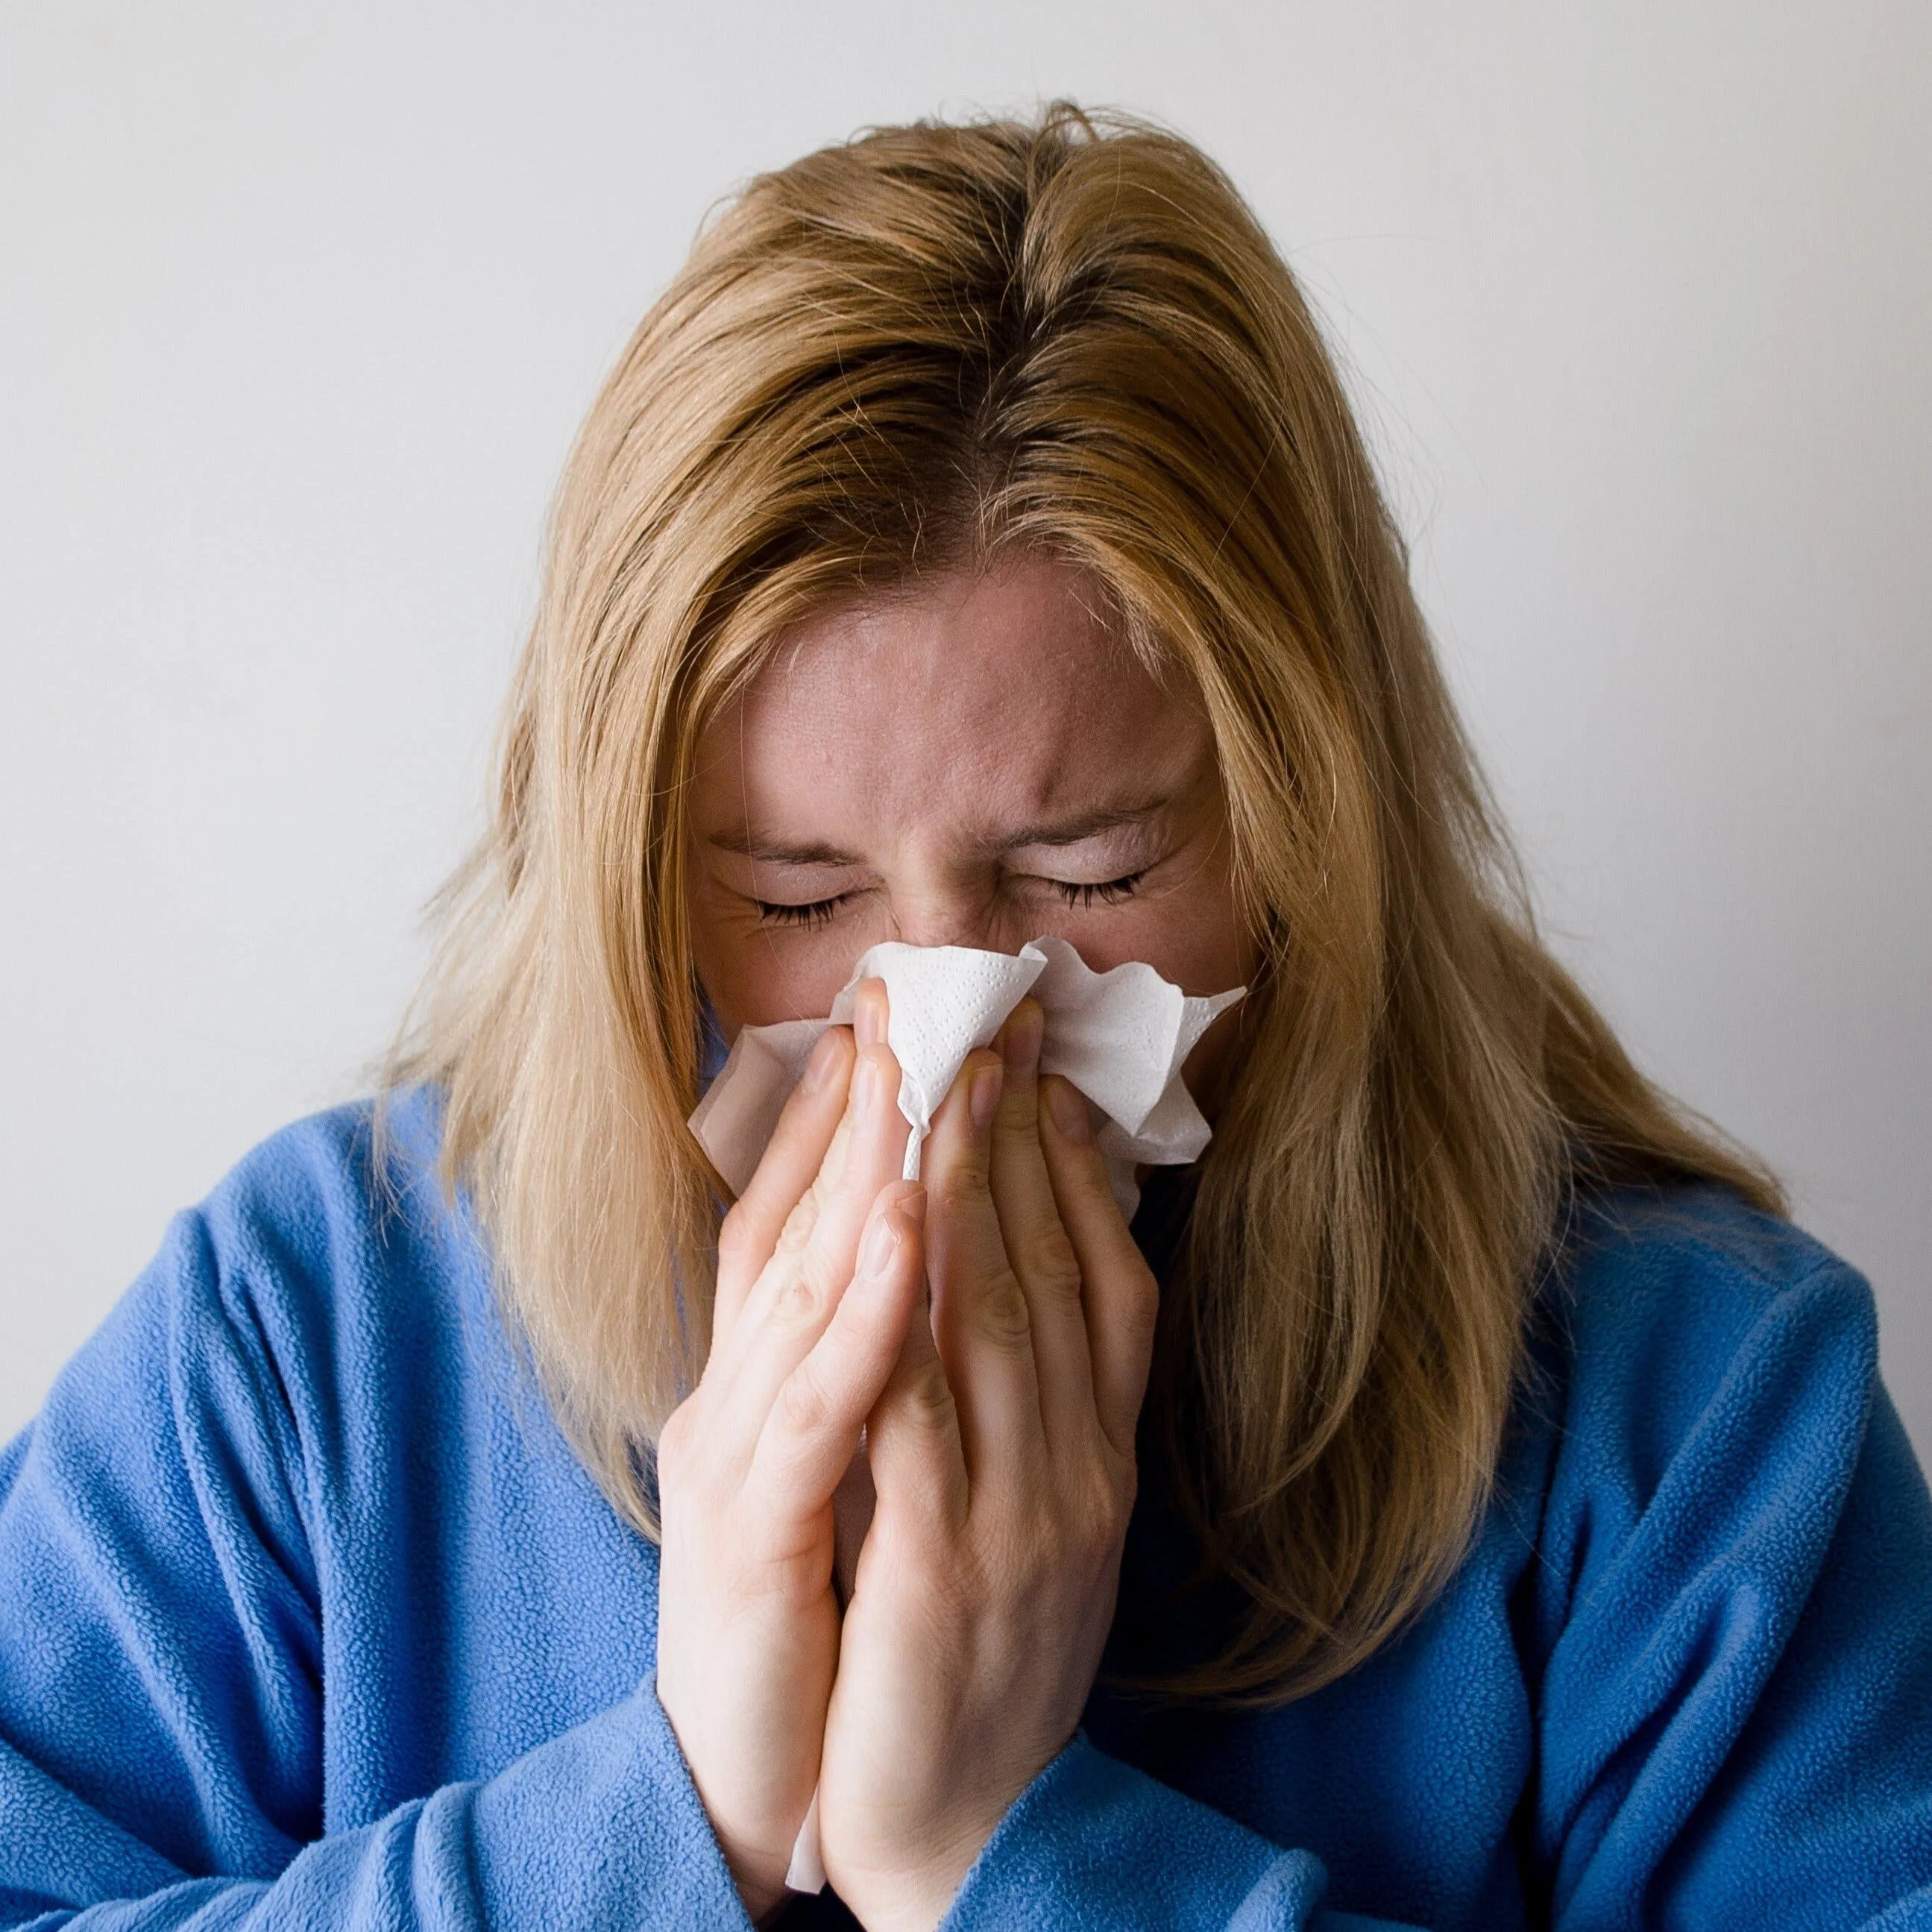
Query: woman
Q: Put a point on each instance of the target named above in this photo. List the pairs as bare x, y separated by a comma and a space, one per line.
1461, 1500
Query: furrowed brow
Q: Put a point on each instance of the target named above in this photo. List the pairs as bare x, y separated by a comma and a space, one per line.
1088, 825
771, 852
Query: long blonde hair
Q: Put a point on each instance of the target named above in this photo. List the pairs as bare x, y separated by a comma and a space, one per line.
924, 348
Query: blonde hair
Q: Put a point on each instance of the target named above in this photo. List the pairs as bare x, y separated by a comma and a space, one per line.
928, 347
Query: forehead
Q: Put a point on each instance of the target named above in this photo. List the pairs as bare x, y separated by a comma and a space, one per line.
984, 698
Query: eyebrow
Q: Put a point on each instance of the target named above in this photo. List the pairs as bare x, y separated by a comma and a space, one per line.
753, 845
1088, 825
769, 852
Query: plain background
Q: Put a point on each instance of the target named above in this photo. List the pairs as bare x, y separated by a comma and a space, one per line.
299, 307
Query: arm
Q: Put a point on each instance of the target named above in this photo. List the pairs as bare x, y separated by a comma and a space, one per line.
1092, 1841
1737, 1720
160, 1696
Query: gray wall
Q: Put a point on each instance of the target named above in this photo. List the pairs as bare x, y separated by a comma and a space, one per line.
298, 308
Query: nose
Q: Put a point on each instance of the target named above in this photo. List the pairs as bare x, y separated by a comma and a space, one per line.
955, 915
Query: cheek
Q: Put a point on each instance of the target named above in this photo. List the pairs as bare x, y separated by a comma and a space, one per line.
1201, 956
1213, 948
1188, 933
754, 975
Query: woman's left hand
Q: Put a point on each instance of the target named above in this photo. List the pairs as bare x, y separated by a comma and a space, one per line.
1002, 1454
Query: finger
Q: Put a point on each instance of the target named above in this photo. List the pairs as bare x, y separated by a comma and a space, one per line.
870, 1010
912, 1441
779, 1200
798, 1291
812, 1434
981, 1321
1120, 1296
1035, 1242
873, 1157
790, 1164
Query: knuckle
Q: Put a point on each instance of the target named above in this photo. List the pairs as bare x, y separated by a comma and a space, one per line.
1000, 1311
1016, 1119
1077, 1550
926, 1402
1102, 1516
1104, 1513
1048, 1262
799, 1299
805, 1409
963, 1188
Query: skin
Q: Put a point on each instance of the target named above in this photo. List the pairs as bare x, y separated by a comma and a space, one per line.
970, 763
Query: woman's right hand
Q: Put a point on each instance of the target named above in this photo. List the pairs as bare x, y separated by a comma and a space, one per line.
818, 1274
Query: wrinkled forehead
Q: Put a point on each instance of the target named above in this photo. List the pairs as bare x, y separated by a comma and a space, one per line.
983, 699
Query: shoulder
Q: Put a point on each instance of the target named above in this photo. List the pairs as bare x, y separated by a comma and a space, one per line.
249, 1357
328, 1267
294, 1221
1701, 1251
1705, 1376
327, 1189
336, 1210
1673, 1310
1725, 1616
336, 1242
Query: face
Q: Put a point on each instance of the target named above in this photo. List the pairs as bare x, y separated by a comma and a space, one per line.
971, 762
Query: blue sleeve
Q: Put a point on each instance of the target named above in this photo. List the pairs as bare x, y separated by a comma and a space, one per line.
160, 1708
1093, 1842
1735, 1588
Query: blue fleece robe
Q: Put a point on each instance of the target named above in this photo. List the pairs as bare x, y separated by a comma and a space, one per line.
308, 1618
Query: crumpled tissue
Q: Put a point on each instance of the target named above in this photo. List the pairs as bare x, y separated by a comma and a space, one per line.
1119, 1036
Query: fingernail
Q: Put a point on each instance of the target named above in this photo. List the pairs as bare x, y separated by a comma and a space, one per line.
983, 1097
824, 1058
1020, 1042
882, 1242
867, 1018
1069, 1107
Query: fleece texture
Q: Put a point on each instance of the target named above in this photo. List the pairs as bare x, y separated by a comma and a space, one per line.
309, 1618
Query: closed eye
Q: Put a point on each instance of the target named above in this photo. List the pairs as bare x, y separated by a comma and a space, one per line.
1083, 895
815, 912
1106, 892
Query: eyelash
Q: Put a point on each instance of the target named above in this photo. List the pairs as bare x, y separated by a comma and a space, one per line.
818, 913
821, 912
1108, 891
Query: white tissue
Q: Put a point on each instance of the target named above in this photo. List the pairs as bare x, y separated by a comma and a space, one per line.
1119, 1036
